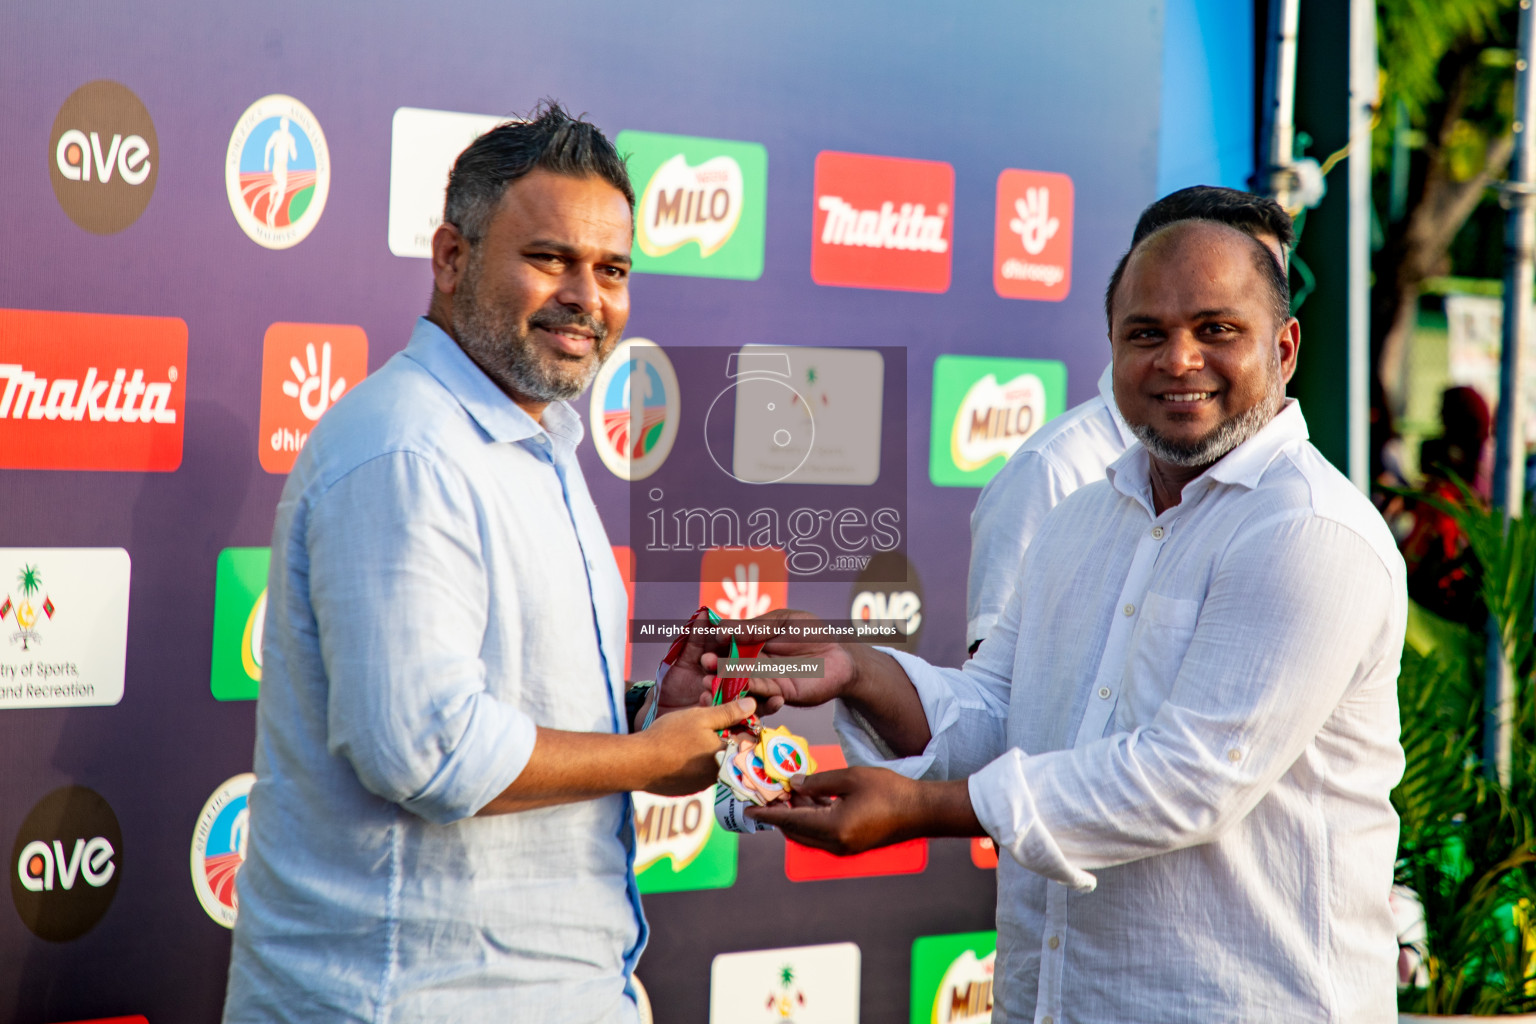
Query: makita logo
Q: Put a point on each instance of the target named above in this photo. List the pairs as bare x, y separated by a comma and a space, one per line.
910, 228
90, 391
882, 222
120, 399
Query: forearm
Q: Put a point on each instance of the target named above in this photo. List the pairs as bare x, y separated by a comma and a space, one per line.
567, 767
944, 809
882, 695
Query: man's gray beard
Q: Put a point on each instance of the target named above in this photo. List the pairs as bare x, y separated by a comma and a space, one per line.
507, 354
1227, 436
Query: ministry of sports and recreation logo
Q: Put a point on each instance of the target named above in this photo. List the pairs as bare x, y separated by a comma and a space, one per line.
423, 145
218, 848
794, 985
983, 409
277, 171
104, 157
305, 369
1033, 239
66, 863
882, 222
702, 207
63, 626
239, 620
634, 411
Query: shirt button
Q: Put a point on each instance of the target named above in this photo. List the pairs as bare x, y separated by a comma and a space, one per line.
1053, 942
1129, 609
1157, 533
1047, 1020
1103, 693
1234, 755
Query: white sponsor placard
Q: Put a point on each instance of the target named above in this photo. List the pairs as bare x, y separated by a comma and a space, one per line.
808, 415
804, 984
423, 146
63, 626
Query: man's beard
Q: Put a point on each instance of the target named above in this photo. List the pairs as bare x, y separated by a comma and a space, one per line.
510, 357
1226, 436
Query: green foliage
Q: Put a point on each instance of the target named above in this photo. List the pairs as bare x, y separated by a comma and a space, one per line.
1448, 71
1468, 844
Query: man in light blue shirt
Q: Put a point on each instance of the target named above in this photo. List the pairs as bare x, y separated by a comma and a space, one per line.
440, 827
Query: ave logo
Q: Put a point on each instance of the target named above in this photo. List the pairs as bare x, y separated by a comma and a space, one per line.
305, 369
1033, 251
701, 208
104, 157
882, 222
67, 862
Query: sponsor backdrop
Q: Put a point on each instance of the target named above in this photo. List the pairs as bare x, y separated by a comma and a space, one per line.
216, 226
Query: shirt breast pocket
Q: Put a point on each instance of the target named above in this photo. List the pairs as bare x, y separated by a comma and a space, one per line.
1159, 642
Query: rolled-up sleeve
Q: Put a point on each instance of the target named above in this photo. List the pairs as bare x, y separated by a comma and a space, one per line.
966, 708
399, 595
1299, 612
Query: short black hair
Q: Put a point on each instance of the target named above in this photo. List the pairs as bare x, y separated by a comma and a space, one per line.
548, 139
1248, 212
1263, 261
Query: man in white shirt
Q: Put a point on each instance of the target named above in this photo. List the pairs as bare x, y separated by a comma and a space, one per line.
1183, 731
1077, 447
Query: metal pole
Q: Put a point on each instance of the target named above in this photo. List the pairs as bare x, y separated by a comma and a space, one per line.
1509, 448
1280, 101
1363, 97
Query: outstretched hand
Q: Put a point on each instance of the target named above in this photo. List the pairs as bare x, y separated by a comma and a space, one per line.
856, 809
681, 748
841, 668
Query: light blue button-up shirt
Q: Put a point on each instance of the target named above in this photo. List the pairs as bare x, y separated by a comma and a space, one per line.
441, 585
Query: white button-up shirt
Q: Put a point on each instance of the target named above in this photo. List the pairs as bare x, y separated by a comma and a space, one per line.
1072, 450
1184, 731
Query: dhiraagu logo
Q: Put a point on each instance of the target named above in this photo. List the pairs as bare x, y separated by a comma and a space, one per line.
701, 204
983, 409
678, 845
239, 613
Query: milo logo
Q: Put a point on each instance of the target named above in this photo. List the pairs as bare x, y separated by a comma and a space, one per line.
702, 204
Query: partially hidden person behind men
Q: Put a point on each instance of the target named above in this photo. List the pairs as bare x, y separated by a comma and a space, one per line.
1183, 730
1077, 447
440, 827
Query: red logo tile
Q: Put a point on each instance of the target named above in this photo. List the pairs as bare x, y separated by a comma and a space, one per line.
803, 864
882, 222
1033, 256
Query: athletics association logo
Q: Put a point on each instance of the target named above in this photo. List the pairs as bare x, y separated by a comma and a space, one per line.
277, 172
218, 848
305, 369
882, 222
105, 157
635, 408
66, 863
1033, 249
90, 391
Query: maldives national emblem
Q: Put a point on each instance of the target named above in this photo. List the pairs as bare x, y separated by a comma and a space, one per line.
635, 407
25, 612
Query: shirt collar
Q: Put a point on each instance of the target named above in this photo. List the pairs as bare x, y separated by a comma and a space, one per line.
1107, 392
501, 418
1243, 466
